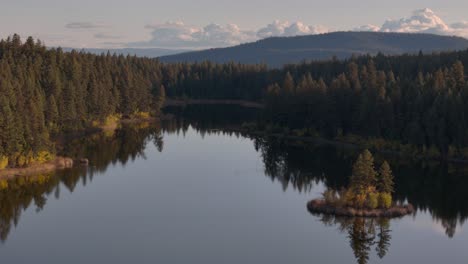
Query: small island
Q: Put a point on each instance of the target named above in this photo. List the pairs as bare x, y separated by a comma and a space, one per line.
369, 193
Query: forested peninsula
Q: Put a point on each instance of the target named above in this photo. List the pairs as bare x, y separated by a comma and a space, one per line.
408, 103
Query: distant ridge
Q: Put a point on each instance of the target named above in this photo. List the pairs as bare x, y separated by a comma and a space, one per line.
277, 51
139, 52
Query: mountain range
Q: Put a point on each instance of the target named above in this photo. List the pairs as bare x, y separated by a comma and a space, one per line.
277, 51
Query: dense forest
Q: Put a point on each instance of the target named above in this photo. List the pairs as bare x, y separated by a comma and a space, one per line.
413, 103
45, 92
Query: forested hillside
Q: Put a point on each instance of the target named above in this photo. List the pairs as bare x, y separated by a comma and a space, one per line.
415, 101
44, 92
412, 103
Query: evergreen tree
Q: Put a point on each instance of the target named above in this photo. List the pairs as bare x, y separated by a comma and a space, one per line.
363, 178
385, 179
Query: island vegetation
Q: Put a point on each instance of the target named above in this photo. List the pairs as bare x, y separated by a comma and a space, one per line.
369, 193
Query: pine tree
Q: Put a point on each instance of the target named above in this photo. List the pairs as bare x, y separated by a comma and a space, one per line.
363, 177
160, 96
52, 113
288, 84
385, 179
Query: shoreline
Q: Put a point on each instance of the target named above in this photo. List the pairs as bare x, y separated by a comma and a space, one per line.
185, 102
58, 163
319, 206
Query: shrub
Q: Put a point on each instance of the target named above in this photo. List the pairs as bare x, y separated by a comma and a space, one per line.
3, 162
29, 158
111, 120
349, 198
21, 161
44, 156
385, 200
359, 200
142, 115
372, 201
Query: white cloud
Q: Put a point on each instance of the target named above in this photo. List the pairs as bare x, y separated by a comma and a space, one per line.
286, 29
421, 21
274, 29
460, 29
180, 35
368, 27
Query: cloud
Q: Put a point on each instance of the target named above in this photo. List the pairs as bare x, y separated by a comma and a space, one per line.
83, 25
180, 35
460, 29
368, 27
421, 21
102, 35
286, 29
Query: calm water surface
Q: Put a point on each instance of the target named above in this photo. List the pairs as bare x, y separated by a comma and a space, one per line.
183, 193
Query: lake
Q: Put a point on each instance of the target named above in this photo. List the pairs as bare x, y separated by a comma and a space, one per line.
189, 191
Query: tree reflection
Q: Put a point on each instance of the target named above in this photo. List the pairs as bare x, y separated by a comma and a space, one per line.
437, 188
364, 234
430, 186
103, 149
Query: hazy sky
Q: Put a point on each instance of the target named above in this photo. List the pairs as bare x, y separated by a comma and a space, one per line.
211, 23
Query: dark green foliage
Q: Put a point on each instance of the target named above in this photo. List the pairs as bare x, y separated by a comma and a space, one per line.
414, 104
385, 179
46, 91
364, 175
43, 92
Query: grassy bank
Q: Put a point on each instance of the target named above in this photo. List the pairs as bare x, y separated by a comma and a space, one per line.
44, 162
37, 168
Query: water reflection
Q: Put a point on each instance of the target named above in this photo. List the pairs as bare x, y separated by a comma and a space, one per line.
430, 186
364, 234
102, 149
18, 194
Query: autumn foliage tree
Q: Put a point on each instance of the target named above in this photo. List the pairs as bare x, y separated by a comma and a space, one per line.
369, 188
